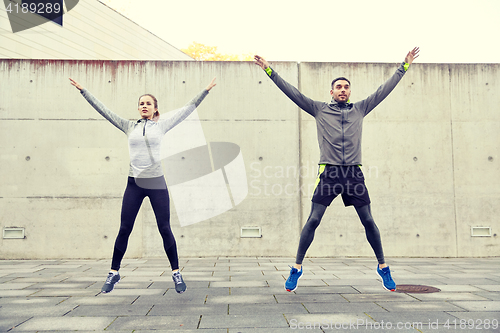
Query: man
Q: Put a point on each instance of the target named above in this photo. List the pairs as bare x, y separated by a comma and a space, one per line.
339, 126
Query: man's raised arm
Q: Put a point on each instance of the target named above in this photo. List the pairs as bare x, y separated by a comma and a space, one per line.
385, 89
302, 101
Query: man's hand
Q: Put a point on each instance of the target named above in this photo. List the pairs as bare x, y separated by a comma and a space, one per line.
261, 62
412, 55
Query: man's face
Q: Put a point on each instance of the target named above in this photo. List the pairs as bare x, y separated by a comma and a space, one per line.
341, 91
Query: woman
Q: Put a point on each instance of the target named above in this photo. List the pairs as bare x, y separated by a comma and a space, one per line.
145, 176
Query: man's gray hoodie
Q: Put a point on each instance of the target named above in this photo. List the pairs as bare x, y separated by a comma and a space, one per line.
339, 125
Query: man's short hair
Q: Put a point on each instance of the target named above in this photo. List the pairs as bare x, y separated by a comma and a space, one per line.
340, 78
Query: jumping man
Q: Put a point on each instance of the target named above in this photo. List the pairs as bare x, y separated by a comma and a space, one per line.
339, 125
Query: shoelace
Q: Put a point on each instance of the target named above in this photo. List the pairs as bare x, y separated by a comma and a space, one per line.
386, 276
293, 276
177, 278
108, 280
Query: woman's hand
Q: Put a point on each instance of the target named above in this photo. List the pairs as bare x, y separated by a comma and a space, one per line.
211, 84
76, 84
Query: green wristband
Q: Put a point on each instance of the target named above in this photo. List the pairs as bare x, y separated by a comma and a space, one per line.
406, 65
269, 71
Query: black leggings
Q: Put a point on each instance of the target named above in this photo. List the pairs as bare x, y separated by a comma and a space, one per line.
132, 200
317, 211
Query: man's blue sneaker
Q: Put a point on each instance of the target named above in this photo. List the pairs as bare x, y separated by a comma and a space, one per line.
387, 281
291, 282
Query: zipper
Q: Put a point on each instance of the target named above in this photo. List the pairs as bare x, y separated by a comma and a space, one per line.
343, 141
144, 128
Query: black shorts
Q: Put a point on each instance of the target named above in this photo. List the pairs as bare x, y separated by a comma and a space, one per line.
345, 180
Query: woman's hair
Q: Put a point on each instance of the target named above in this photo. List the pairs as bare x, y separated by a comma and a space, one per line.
156, 115
154, 99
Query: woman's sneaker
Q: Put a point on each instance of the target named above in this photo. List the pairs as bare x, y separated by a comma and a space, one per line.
180, 286
111, 280
293, 279
387, 281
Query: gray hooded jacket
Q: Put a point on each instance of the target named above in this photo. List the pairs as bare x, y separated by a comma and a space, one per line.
339, 125
144, 135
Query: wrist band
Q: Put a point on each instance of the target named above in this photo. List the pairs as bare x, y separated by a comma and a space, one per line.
406, 65
269, 71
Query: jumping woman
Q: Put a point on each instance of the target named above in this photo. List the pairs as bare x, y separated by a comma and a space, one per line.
145, 177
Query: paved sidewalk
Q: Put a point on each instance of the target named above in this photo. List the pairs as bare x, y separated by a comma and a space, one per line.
233, 295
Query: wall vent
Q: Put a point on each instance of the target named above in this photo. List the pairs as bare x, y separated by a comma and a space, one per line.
480, 231
251, 232
13, 233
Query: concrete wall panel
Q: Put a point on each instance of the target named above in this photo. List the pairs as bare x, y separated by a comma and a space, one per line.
429, 157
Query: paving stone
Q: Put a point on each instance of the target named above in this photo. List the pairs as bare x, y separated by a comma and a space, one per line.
257, 291
110, 311
28, 301
65, 324
102, 299
493, 287
482, 316
494, 296
175, 323
14, 286
327, 290
177, 330
477, 306
352, 282
295, 298
448, 296
173, 298
18, 293
37, 310
473, 282
263, 330
241, 299
59, 285
176, 309
62, 292
326, 321
262, 309
244, 321
387, 296
6, 323
127, 292
337, 307
239, 284
421, 317
418, 306
457, 288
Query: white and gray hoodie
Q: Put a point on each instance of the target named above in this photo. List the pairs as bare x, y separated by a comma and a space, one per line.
339, 125
145, 136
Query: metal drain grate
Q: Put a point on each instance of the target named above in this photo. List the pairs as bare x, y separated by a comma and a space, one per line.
416, 289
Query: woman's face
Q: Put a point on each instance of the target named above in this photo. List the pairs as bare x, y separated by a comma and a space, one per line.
147, 107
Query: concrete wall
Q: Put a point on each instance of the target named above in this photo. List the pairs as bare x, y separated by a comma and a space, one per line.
90, 31
430, 153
